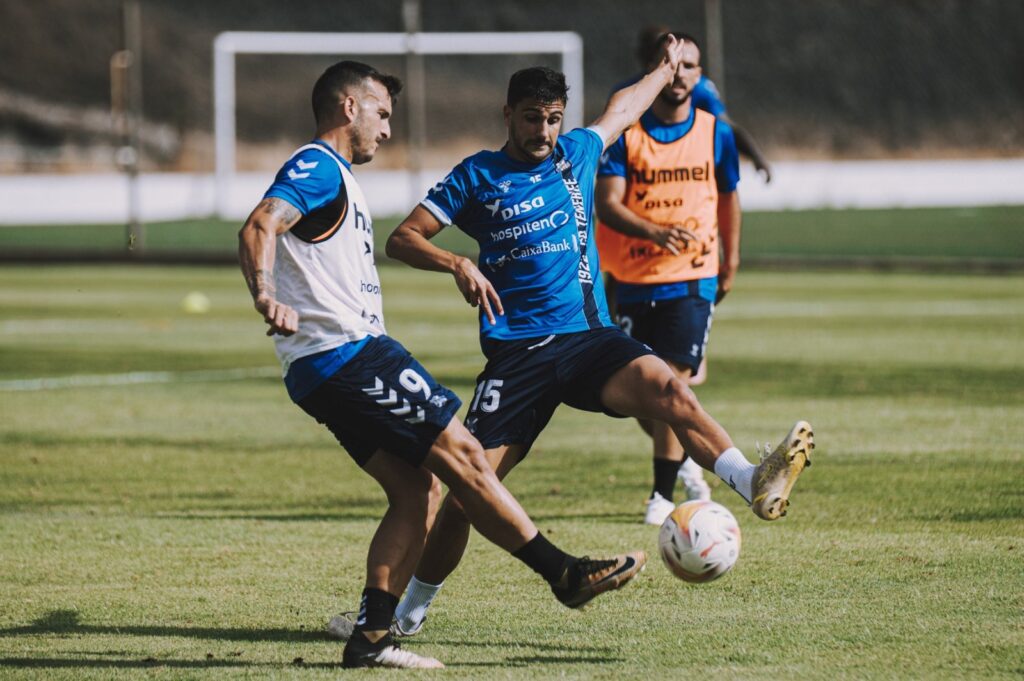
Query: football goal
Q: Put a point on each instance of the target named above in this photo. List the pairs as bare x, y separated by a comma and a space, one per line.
227, 45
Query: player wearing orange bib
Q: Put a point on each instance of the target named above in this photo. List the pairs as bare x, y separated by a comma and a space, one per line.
667, 200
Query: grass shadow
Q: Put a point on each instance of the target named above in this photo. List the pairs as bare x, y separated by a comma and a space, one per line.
69, 622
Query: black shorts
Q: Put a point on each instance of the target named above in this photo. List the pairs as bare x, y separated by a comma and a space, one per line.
383, 399
676, 329
524, 381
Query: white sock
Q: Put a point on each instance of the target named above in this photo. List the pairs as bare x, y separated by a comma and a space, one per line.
690, 470
411, 612
736, 471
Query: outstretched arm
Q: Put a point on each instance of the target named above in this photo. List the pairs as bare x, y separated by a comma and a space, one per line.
627, 105
746, 145
410, 243
257, 246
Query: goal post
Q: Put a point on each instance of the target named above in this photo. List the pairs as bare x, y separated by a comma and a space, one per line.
229, 44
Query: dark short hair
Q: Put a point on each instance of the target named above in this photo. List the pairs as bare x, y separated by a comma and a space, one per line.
537, 82
650, 42
345, 74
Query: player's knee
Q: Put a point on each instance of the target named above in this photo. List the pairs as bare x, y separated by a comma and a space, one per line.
475, 470
681, 400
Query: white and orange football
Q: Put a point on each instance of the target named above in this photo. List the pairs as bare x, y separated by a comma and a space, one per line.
699, 541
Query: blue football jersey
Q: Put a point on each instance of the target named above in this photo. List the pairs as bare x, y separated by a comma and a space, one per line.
533, 225
310, 179
705, 96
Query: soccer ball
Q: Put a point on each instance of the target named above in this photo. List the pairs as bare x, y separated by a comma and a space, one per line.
699, 541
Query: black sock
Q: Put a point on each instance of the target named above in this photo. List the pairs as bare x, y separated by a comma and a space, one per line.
665, 473
544, 558
376, 610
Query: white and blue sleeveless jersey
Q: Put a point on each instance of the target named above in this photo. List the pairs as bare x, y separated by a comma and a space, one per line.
324, 267
533, 225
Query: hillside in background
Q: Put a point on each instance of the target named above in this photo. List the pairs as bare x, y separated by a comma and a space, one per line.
809, 78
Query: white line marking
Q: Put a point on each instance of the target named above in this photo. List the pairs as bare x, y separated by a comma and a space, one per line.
136, 378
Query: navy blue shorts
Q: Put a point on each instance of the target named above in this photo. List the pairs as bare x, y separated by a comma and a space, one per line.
383, 399
524, 381
676, 329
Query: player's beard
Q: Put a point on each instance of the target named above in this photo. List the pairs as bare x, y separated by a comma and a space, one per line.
531, 148
672, 99
364, 145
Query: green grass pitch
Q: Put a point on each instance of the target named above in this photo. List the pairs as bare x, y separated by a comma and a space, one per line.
202, 528
946, 235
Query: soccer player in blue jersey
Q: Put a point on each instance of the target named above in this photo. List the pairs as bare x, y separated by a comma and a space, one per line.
306, 252
660, 236
544, 324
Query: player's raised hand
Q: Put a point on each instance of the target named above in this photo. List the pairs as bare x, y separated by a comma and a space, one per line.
671, 50
477, 290
281, 318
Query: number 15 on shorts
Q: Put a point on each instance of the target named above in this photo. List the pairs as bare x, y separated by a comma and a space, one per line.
487, 396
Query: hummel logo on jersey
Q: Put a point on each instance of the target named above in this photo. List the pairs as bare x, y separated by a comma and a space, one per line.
505, 185
391, 399
493, 207
440, 185
641, 195
439, 400
302, 165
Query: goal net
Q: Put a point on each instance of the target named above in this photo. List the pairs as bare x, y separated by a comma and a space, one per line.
231, 194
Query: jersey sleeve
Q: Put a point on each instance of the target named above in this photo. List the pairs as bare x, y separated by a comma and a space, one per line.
705, 97
584, 146
307, 180
447, 199
727, 159
613, 161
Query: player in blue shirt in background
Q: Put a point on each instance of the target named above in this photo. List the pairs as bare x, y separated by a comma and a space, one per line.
544, 323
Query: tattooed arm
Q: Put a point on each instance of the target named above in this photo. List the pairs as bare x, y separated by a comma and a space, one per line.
257, 242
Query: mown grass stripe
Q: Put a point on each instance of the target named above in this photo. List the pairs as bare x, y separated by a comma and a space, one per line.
136, 378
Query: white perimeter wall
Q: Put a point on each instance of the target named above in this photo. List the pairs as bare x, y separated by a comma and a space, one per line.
50, 199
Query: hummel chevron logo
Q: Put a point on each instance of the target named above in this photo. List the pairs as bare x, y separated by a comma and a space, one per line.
296, 176
493, 207
306, 166
391, 400
377, 389
403, 410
